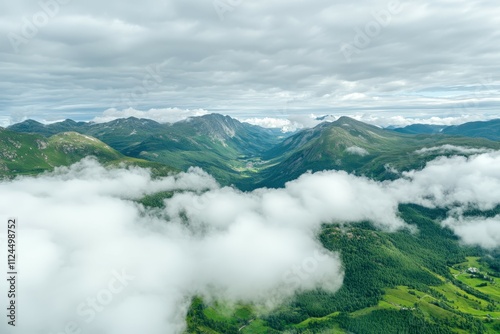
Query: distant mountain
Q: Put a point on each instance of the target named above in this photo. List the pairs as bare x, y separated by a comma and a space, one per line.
118, 134
488, 129
417, 129
245, 138
31, 126
220, 144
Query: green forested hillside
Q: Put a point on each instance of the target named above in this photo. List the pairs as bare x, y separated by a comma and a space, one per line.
394, 283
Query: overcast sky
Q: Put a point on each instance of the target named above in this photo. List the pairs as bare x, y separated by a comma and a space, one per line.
250, 58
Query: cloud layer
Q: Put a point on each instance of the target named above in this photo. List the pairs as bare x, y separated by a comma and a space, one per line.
118, 267
80, 229
168, 115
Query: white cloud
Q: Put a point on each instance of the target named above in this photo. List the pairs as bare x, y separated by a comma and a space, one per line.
79, 226
445, 149
471, 182
357, 151
385, 119
484, 232
285, 125
166, 115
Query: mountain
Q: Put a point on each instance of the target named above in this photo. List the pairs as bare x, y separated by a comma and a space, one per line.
223, 146
488, 129
31, 126
118, 134
356, 147
245, 138
31, 154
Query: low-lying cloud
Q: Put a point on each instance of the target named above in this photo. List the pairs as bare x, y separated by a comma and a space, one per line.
383, 120
484, 232
469, 182
80, 228
163, 115
284, 124
446, 149
356, 150
91, 256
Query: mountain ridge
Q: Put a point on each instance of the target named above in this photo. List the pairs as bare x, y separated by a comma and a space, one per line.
250, 156
479, 129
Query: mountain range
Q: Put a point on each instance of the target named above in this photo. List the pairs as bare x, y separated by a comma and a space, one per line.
488, 129
249, 156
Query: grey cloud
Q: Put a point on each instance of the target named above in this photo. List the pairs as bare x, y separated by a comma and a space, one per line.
91, 53
169, 115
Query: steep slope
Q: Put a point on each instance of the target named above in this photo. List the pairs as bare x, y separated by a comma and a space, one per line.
356, 147
220, 144
245, 138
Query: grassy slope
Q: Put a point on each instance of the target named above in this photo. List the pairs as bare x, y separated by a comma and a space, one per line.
30, 154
